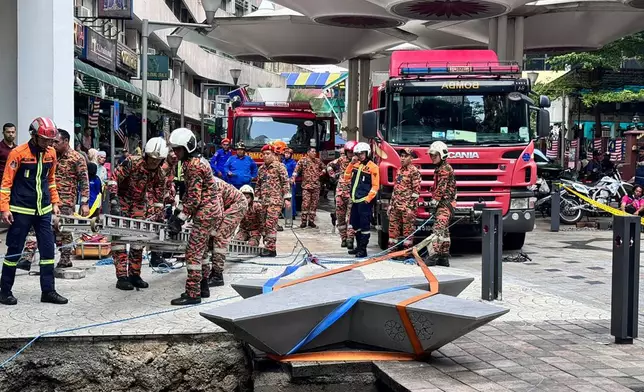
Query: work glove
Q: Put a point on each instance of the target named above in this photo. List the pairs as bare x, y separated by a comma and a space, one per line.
115, 207
175, 224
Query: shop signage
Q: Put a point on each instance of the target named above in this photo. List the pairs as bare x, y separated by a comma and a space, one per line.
126, 59
158, 67
115, 9
79, 36
99, 50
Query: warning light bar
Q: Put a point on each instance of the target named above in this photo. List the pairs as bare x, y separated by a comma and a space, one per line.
500, 68
300, 105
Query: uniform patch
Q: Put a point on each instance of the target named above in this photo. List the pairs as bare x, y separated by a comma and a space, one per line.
13, 165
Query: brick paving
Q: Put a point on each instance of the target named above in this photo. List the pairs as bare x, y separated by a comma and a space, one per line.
555, 336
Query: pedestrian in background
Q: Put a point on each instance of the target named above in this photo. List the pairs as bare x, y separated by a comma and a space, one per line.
7, 144
218, 161
336, 170
239, 169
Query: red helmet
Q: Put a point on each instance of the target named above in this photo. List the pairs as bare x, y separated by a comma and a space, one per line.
268, 147
44, 127
349, 145
226, 140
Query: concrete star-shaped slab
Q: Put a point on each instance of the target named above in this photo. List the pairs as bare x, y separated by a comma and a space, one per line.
448, 284
276, 322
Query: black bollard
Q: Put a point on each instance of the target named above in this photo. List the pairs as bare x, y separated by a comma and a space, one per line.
625, 284
492, 227
555, 202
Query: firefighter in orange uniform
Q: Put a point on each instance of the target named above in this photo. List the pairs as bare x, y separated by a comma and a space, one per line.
28, 196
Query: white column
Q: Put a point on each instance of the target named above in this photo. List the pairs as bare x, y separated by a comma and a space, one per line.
352, 98
519, 28
493, 33
365, 89
502, 38
509, 51
8, 65
45, 63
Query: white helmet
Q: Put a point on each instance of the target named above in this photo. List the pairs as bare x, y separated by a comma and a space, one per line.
183, 137
247, 189
156, 148
362, 147
438, 148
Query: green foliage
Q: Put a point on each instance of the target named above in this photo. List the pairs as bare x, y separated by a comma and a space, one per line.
588, 69
610, 56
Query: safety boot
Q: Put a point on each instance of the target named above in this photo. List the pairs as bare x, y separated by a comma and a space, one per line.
267, 253
53, 297
185, 300
344, 243
124, 284
430, 261
349, 243
205, 290
280, 228
24, 264
138, 282
312, 225
443, 261
303, 225
215, 279
8, 298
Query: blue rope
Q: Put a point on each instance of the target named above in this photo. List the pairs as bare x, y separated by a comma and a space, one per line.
52, 333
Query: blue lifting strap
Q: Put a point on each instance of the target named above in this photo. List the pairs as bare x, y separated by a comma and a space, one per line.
337, 313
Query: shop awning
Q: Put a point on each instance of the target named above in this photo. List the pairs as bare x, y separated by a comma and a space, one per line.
319, 80
122, 88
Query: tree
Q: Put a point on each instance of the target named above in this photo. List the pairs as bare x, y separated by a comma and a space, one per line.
588, 70
316, 103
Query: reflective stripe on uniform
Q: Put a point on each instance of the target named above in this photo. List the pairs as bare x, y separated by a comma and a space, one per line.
39, 183
52, 186
271, 235
111, 182
119, 247
5, 190
193, 267
157, 205
221, 251
46, 262
10, 263
136, 247
22, 210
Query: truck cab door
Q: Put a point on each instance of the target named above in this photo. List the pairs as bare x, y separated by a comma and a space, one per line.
327, 139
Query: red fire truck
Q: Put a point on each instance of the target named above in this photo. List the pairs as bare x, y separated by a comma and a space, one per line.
480, 107
295, 123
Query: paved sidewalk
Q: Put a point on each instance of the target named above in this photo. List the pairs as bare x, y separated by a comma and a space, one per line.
556, 328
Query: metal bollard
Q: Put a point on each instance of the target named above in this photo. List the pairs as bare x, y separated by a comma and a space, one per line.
625, 285
492, 257
555, 203
106, 202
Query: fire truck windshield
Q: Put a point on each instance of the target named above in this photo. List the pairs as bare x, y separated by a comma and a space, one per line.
256, 132
458, 119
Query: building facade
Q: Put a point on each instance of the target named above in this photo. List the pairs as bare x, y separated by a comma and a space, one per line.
78, 61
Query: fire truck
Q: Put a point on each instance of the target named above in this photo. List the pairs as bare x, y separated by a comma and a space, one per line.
258, 123
483, 110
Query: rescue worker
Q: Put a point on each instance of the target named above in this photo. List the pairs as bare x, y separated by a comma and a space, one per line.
28, 196
250, 227
404, 201
220, 158
273, 192
311, 169
240, 169
235, 205
442, 204
279, 147
71, 174
201, 205
137, 190
364, 180
336, 169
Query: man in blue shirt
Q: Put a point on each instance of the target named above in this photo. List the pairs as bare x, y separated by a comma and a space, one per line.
240, 169
290, 163
220, 158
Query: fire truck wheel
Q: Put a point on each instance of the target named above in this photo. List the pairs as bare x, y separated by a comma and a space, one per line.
513, 241
383, 239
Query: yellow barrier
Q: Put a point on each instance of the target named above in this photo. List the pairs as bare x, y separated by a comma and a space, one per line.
604, 207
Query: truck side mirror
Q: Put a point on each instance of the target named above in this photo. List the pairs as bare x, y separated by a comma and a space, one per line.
543, 123
369, 123
544, 101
